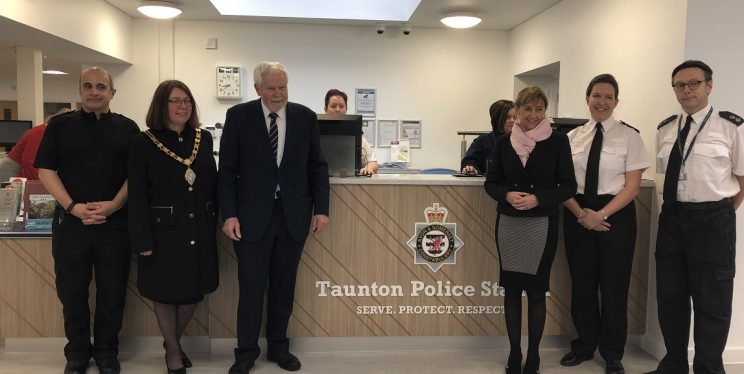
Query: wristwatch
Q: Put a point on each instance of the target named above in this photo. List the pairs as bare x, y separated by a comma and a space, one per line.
69, 208
604, 214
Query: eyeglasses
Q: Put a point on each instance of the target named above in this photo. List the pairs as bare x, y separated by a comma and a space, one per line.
178, 102
679, 86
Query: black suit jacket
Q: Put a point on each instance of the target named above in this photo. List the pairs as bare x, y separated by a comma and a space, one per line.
549, 175
248, 174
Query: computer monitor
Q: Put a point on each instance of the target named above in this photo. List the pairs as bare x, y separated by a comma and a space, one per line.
564, 124
11, 132
341, 143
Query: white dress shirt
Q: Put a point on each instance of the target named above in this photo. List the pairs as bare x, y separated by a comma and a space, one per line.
622, 151
716, 157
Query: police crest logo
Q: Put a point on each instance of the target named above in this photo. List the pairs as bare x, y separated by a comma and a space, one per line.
435, 241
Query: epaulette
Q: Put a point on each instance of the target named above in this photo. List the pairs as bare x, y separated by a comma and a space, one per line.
668, 120
60, 115
733, 118
636, 130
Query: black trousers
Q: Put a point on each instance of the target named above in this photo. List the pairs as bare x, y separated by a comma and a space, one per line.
600, 264
80, 251
695, 250
273, 259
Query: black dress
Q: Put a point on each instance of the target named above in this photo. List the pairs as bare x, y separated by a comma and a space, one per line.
173, 219
527, 239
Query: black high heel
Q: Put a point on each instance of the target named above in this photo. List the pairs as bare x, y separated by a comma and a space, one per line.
514, 364
531, 367
186, 362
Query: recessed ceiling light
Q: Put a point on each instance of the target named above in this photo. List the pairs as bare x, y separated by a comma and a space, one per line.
461, 20
54, 72
159, 9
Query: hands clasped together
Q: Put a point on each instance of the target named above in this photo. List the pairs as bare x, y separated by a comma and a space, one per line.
522, 200
593, 220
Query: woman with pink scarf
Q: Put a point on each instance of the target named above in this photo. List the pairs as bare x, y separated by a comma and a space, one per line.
532, 175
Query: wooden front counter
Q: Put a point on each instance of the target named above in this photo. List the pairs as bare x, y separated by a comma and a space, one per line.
372, 220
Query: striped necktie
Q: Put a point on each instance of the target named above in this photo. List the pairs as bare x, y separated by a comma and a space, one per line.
274, 133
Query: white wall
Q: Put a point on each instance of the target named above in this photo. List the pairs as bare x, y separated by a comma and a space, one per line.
91, 23
446, 78
629, 39
714, 36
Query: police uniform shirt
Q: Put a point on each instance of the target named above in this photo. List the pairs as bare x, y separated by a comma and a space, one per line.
88, 153
367, 154
716, 157
622, 151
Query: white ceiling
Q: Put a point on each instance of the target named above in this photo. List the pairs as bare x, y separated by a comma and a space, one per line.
61, 54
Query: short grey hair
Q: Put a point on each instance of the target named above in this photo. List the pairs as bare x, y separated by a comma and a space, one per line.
268, 67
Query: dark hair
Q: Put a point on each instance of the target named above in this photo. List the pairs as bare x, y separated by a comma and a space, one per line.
707, 71
603, 78
334, 92
498, 112
157, 115
530, 94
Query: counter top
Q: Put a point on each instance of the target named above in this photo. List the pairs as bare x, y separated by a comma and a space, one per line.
412, 179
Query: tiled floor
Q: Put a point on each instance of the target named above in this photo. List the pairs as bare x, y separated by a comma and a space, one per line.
403, 362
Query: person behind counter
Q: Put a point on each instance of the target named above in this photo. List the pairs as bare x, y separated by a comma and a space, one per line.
503, 117
82, 162
269, 208
172, 213
531, 175
335, 103
20, 160
599, 226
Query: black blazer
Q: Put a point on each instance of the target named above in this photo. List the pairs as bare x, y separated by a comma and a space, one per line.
549, 175
248, 175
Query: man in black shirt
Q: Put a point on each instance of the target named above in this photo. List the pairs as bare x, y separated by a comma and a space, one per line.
82, 162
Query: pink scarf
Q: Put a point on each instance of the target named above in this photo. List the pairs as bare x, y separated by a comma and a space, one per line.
524, 142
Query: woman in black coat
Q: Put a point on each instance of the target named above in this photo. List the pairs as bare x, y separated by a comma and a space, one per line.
531, 175
172, 214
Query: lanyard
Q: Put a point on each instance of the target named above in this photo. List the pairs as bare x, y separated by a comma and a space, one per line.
692, 142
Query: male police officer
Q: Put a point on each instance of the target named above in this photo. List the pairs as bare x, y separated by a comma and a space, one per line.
82, 162
701, 152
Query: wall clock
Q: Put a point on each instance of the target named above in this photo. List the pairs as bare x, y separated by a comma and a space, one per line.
229, 83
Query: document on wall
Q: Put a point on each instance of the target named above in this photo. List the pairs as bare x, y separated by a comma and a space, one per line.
366, 101
368, 130
411, 130
387, 132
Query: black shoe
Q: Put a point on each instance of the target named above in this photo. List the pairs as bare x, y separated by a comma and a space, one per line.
181, 370
513, 369
652, 372
614, 367
109, 365
240, 367
76, 366
286, 360
186, 362
531, 366
572, 359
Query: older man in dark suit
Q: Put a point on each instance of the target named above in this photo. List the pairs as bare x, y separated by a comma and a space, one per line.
273, 188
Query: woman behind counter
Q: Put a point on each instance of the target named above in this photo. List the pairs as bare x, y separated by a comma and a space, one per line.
503, 116
599, 226
172, 222
531, 175
335, 103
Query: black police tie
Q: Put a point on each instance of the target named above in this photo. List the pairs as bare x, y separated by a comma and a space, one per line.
671, 178
591, 181
274, 133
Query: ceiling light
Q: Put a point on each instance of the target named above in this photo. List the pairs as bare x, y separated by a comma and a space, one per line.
54, 72
461, 20
159, 9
